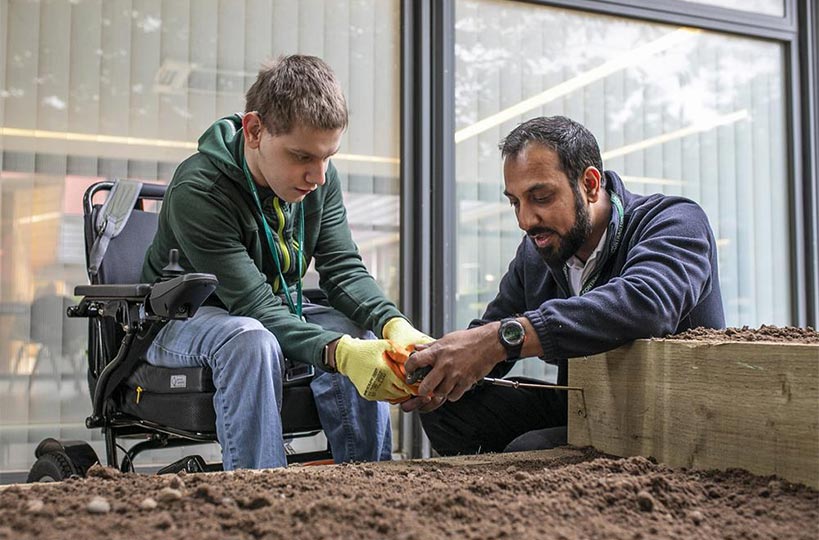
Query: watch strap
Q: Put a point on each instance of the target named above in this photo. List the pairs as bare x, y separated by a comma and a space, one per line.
512, 350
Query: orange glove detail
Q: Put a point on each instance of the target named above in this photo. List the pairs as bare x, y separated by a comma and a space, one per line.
369, 366
396, 360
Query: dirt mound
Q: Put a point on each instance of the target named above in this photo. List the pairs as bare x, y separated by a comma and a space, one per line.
779, 334
549, 494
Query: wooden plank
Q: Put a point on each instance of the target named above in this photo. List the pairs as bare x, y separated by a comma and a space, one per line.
703, 405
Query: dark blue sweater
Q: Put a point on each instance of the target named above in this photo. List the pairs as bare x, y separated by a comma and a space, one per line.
657, 277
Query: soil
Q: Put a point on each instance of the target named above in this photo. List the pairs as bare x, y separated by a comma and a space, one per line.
563, 493
778, 334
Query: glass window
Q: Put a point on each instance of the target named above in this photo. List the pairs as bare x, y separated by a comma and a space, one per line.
93, 89
675, 110
763, 7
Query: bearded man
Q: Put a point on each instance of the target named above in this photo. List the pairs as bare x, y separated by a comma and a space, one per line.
599, 266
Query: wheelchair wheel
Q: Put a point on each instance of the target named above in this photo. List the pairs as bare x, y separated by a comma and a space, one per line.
51, 467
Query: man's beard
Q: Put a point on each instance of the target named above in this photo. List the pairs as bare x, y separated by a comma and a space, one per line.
570, 243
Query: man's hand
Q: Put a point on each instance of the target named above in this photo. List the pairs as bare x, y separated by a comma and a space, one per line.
402, 333
422, 404
372, 366
459, 359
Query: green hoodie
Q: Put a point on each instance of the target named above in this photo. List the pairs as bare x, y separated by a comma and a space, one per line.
209, 215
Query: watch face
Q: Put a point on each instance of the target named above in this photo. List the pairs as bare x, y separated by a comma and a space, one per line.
512, 333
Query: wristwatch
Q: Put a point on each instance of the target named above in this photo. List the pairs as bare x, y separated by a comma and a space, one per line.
511, 334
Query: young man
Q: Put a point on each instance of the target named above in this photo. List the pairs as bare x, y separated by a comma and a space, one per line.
599, 266
253, 206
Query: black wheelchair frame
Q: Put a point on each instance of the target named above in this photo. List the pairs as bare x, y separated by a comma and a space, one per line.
124, 318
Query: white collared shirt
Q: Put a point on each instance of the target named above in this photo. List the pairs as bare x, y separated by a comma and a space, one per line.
578, 271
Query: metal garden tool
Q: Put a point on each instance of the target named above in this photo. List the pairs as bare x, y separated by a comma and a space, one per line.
418, 375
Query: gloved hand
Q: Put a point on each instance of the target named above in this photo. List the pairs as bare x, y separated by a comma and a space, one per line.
402, 333
372, 366
396, 363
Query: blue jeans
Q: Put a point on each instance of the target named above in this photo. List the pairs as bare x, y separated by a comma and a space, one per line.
248, 368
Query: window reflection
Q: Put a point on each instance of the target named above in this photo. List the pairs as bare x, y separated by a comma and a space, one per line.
676, 110
763, 7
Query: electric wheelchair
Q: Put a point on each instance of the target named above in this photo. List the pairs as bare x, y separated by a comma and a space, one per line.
131, 399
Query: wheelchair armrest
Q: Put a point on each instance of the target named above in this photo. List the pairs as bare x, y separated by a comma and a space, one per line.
180, 297
113, 292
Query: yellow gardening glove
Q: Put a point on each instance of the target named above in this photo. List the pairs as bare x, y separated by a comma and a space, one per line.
402, 333
370, 365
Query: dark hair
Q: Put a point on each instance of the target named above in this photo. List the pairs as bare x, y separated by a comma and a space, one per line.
575, 146
297, 88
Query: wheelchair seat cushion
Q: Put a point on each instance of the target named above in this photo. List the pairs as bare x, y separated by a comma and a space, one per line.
162, 380
182, 398
177, 398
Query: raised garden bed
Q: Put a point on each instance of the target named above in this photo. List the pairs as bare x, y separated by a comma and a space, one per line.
740, 397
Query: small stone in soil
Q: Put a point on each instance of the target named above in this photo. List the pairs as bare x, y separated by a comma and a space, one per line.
34, 506
208, 493
98, 471
98, 505
521, 476
148, 503
646, 501
259, 501
176, 483
167, 495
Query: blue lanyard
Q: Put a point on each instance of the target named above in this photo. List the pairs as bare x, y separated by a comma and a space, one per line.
297, 308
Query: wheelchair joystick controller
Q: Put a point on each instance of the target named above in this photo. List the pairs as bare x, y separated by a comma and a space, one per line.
172, 269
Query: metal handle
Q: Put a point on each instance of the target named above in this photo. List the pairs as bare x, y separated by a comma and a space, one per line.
419, 374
